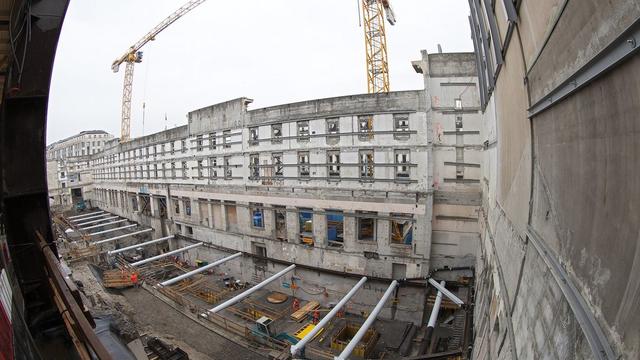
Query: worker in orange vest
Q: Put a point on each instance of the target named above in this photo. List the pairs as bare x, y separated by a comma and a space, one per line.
134, 279
316, 317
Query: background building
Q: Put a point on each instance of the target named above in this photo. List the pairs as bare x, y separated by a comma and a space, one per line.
69, 178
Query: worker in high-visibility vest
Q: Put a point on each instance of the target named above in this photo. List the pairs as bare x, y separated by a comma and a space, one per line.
316, 317
134, 279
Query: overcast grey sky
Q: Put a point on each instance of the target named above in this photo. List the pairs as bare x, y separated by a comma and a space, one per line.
275, 52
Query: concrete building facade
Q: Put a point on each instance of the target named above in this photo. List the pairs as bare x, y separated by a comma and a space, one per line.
343, 187
451, 88
69, 176
336, 185
559, 85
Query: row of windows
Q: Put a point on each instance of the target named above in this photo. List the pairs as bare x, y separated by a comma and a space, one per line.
366, 229
81, 148
333, 131
275, 170
401, 229
365, 132
171, 149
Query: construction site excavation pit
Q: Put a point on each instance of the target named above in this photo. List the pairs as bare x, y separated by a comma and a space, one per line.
171, 285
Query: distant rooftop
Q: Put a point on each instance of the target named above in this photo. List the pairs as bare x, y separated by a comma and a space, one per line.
86, 132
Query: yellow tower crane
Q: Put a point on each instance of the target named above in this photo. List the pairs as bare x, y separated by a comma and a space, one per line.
375, 39
134, 55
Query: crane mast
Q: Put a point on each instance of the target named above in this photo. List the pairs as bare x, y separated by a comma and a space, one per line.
375, 38
134, 55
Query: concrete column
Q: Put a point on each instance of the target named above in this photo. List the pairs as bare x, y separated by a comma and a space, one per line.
181, 208
423, 231
170, 212
319, 229
223, 217
153, 202
269, 222
349, 230
138, 198
244, 219
292, 225
195, 211
383, 232
210, 208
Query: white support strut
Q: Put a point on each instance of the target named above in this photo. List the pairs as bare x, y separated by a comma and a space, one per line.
297, 349
199, 270
105, 224
169, 253
96, 221
112, 230
84, 215
245, 294
132, 247
436, 308
367, 323
446, 292
121, 236
90, 217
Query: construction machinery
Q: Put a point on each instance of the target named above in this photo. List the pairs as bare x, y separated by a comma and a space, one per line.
134, 55
265, 329
375, 38
374, 12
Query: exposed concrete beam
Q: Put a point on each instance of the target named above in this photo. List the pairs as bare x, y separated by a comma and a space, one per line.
112, 230
84, 215
90, 217
446, 292
105, 224
367, 323
157, 257
298, 349
199, 270
97, 221
132, 247
121, 236
247, 293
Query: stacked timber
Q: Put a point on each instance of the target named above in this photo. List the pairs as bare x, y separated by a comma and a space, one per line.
117, 279
301, 313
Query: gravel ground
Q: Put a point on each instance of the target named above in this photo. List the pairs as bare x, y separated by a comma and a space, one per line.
155, 317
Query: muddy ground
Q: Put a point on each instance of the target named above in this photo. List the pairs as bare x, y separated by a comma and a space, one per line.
136, 312
153, 314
